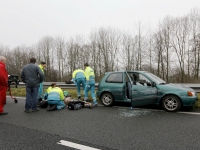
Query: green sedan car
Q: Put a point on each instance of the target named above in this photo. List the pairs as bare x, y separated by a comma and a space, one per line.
143, 88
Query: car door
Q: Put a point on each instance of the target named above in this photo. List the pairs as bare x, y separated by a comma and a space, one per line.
115, 85
143, 93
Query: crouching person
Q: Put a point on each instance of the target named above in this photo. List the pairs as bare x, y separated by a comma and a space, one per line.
55, 99
74, 104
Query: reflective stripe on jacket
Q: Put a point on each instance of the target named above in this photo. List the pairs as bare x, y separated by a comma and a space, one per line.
78, 73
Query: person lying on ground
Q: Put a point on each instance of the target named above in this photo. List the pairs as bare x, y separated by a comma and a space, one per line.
74, 104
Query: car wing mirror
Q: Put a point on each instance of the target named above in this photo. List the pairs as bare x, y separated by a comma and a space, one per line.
153, 84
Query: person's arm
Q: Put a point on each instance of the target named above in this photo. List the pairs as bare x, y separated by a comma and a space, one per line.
3, 74
41, 74
62, 97
22, 76
87, 74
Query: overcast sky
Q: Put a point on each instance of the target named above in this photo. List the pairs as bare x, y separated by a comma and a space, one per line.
25, 22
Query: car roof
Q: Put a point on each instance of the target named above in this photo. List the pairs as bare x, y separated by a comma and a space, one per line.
126, 71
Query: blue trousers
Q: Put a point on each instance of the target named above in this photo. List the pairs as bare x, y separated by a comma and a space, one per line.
31, 98
60, 104
40, 92
79, 82
90, 86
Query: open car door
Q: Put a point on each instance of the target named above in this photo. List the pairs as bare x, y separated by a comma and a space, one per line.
141, 93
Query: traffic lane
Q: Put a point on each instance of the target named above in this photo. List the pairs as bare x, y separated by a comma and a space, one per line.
115, 127
21, 138
154, 107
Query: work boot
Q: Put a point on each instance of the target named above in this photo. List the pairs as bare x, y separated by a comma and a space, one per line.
27, 111
35, 110
48, 107
54, 107
39, 99
94, 104
3, 113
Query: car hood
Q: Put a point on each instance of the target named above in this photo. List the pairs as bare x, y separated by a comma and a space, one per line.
172, 86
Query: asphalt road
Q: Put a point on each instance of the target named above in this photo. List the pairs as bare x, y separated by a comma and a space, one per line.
102, 127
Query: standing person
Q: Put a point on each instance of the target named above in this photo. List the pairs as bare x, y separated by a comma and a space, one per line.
42, 66
32, 76
78, 77
90, 84
3, 84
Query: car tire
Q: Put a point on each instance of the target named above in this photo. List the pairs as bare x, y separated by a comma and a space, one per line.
171, 103
107, 99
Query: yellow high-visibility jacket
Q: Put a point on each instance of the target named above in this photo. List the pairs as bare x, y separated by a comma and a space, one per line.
55, 93
78, 73
42, 68
89, 72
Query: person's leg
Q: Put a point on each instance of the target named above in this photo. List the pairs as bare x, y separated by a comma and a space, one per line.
83, 85
28, 99
60, 105
2, 99
34, 98
93, 95
87, 89
52, 105
40, 92
78, 82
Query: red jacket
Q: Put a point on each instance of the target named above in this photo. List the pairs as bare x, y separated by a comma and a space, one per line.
3, 76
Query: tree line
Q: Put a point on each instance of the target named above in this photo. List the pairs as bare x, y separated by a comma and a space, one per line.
171, 51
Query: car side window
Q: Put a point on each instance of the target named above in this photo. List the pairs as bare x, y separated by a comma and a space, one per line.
144, 81
115, 78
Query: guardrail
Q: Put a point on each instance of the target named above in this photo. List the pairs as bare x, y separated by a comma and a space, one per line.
195, 86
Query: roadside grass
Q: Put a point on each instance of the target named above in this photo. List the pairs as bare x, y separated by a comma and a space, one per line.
197, 104
21, 92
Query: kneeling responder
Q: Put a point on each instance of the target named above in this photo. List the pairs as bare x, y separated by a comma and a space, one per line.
55, 99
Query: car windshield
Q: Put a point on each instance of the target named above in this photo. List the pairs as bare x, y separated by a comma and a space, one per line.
156, 78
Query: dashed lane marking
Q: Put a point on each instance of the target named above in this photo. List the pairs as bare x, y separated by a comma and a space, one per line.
75, 145
190, 113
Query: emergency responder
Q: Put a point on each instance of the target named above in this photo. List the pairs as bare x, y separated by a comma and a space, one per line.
55, 99
90, 84
78, 77
3, 84
42, 66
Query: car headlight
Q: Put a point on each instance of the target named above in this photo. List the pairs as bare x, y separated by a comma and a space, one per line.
190, 93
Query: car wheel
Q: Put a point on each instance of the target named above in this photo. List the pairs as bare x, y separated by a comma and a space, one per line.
107, 99
171, 103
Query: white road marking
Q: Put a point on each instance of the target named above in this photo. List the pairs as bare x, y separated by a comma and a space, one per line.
190, 113
74, 145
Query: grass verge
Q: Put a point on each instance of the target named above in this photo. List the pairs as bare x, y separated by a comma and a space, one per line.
22, 92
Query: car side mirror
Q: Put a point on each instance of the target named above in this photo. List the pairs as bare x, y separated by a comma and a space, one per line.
153, 84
